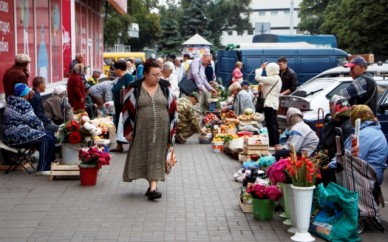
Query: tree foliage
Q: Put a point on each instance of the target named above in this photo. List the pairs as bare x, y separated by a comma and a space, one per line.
195, 20
170, 40
359, 25
311, 15
115, 27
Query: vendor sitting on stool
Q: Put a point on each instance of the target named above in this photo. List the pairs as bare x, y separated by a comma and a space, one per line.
187, 119
301, 136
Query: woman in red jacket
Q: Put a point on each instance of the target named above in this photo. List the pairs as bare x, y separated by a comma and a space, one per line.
76, 88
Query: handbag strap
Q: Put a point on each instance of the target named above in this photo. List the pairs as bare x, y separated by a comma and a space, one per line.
272, 88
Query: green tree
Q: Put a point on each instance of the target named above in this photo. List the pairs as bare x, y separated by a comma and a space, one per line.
195, 19
312, 15
115, 27
360, 25
170, 40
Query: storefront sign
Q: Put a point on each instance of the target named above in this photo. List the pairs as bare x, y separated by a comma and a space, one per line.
7, 38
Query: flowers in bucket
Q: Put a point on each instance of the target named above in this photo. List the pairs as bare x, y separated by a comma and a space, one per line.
74, 132
93, 157
260, 191
302, 170
277, 172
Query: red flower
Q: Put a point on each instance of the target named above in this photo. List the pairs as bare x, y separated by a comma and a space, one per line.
74, 137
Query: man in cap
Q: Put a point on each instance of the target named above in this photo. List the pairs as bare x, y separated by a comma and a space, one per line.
39, 86
18, 73
57, 107
245, 86
93, 80
187, 119
363, 89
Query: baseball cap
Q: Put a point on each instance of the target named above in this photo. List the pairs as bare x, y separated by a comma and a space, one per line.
22, 58
244, 83
196, 95
21, 90
358, 60
60, 89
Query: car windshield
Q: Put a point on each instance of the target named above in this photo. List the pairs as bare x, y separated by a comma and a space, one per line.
311, 89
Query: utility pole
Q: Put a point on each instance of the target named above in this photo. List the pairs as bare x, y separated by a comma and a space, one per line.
292, 17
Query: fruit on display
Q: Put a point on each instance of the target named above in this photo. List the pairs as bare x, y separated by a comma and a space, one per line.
245, 117
209, 118
248, 111
229, 114
224, 137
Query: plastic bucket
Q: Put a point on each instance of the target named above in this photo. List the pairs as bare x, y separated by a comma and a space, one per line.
70, 153
217, 147
88, 176
263, 209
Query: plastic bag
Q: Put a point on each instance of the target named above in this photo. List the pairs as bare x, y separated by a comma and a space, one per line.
120, 130
334, 215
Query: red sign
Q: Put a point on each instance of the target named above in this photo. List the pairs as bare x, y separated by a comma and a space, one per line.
7, 38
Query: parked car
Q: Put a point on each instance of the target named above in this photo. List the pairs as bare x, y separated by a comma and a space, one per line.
379, 69
313, 99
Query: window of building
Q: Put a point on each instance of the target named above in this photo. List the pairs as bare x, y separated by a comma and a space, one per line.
230, 32
274, 13
286, 12
250, 32
261, 13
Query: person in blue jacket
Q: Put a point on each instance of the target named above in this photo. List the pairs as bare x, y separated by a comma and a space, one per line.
374, 148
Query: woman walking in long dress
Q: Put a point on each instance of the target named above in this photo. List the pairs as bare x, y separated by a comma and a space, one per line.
149, 115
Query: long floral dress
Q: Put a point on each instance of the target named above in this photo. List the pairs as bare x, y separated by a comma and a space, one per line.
147, 156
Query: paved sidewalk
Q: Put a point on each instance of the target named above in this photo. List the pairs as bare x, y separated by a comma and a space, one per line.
199, 203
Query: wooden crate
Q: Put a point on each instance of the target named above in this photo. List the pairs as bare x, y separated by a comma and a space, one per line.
63, 170
246, 208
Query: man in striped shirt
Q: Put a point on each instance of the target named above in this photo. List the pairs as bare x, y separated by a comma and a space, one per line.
363, 89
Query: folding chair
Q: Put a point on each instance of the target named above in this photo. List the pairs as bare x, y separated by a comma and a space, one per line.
19, 157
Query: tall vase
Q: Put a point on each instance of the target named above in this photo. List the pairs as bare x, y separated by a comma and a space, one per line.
291, 209
88, 175
303, 198
263, 209
70, 153
287, 220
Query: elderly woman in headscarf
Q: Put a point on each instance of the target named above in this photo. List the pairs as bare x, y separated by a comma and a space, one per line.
374, 148
301, 136
242, 100
76, 88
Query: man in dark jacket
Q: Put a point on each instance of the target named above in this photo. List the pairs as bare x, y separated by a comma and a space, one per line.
363, 89
288, 76
39, 86
18, 73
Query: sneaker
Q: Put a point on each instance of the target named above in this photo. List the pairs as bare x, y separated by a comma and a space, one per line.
43, 173
179, 139
154, 195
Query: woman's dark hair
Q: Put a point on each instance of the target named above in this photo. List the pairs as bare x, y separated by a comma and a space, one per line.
150, 63
121, 65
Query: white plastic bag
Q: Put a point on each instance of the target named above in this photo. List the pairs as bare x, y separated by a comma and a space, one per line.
120, 130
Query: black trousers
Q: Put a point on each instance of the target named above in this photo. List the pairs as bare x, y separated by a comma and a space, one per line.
272, 125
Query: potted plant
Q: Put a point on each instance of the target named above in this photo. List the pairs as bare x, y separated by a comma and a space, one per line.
264, 198
92, 159
303, 173
72, 136
277, 175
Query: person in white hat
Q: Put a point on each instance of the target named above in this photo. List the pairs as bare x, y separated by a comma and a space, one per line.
57, 107
18, 73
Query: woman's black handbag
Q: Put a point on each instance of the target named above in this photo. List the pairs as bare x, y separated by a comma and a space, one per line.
260, 103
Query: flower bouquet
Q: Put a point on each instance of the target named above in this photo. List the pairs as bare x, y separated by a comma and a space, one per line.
302, 171
264, 198
93, 157
277, 172
74, 132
